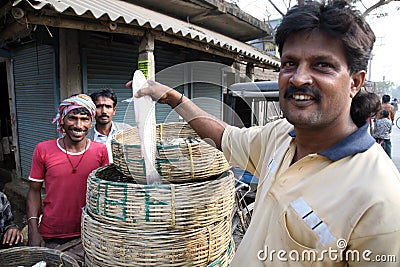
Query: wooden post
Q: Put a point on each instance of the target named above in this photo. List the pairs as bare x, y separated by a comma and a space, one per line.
70, 64
146, 61
13, 115
250, 71
236, 70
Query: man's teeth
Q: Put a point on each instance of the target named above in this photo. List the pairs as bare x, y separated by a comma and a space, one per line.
302, 97
77, 132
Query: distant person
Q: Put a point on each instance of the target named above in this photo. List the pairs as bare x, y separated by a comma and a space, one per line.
63, 165
364, 102
395, 105
382, 130
10, 235
105, 128
386, 106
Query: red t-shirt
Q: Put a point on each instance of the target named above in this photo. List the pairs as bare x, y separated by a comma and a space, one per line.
65, 190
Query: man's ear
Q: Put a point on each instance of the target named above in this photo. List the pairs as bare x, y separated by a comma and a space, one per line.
357, 81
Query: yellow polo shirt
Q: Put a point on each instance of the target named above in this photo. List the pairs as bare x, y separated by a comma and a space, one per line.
340, 207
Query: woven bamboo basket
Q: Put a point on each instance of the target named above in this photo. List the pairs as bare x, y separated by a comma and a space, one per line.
224, 261
28, 256
164, 206
108, 245
181, 155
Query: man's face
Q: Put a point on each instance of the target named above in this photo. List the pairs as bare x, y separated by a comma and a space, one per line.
76, 126
315, 85
105, 110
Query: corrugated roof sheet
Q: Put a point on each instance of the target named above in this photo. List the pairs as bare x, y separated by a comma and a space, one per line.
129, 12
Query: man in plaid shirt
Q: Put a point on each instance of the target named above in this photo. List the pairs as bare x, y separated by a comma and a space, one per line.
9, 233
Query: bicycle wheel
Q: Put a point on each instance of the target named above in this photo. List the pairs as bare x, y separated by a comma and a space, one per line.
398, 122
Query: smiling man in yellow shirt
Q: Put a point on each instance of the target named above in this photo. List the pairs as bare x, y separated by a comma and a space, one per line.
327, 195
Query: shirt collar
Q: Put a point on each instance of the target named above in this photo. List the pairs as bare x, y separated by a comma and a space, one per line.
357, 142
112, 131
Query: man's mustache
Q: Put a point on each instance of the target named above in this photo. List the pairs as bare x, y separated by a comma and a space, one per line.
303, 89
104, 116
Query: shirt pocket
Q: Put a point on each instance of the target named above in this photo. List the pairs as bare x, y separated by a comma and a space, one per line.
303, 243
299, 234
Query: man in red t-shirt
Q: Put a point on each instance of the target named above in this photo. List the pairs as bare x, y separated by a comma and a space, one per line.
63, 164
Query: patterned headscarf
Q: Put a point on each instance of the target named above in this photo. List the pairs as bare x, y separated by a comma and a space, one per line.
74, 102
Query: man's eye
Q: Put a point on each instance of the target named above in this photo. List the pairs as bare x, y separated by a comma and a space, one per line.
288, 64
324, 65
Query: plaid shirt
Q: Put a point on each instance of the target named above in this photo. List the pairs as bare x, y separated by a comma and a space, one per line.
6, 217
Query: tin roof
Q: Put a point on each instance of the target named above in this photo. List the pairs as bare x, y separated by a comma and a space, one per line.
218, 15
137, 15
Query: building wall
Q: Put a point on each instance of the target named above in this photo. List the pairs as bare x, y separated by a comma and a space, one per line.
45, 73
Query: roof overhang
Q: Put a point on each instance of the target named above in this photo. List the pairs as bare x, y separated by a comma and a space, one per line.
220, 16
116, 16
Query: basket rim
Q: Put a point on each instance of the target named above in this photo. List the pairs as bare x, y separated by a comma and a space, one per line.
34, 249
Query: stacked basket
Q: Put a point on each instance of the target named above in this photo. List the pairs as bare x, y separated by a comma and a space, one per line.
29, 256
185, 221
182, 155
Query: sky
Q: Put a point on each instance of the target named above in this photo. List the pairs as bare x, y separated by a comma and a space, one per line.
385, 63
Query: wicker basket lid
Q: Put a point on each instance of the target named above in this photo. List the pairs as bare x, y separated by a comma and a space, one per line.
181, 155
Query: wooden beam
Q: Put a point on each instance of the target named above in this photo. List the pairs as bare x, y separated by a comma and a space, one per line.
196, 45
114, 27
100, 26
13, 30
210, 48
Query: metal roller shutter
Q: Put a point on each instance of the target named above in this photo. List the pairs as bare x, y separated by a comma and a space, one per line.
183, 70
111, 65
36, 99
207, 87
169, 71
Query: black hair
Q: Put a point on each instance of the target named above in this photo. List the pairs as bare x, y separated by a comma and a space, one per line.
363, 106
336, 19
385, 113
81, 111
105, 93
341, 21
385, 99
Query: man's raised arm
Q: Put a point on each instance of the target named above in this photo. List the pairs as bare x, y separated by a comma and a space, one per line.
207, 126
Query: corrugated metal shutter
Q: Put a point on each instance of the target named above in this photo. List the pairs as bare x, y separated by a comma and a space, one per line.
207, 87
36, 99
111, 65
183, 70
169, 71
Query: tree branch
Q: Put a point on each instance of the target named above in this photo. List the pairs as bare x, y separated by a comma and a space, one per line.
376, 5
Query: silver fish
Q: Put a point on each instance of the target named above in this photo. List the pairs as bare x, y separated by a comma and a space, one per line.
145, 116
